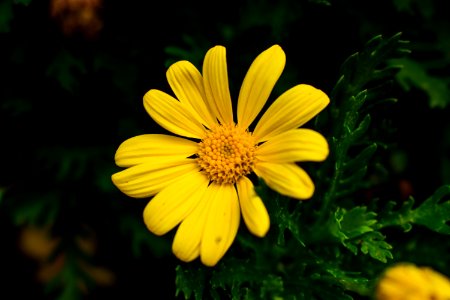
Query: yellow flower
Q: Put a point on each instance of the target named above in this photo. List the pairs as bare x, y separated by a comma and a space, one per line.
406, 281
200, 181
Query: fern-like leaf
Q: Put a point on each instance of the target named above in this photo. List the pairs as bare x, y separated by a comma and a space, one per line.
433, 213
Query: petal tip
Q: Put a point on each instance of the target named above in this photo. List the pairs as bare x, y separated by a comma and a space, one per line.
305, 194
261, 231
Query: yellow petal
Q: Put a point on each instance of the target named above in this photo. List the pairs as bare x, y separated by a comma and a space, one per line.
187, 240
294, 145
172, 115
221, 225
187, 84
287, 179
291, 110
138, 149
147, 179
172, 204
253, 210
258, 84
215, 76
438, 282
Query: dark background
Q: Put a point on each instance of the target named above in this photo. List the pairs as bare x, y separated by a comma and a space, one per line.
69, 98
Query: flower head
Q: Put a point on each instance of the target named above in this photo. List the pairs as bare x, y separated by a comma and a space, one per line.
199, 178
406, 281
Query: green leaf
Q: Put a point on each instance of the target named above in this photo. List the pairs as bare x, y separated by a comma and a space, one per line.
65, 68
403, 5
414, 7
348, 224
190, 282
415, 74
349, 124
37, 209
6, 15
433, 213
361, 159
235, 274
357, 133
356, 221
361, 67
353, 178
352, 281
356, 229
373, 244
240, 279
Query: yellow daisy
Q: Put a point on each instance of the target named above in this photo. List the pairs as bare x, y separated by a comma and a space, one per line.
199, 180
406, 281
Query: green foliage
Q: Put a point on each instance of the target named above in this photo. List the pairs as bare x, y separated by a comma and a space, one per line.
415, 74
39, 210
369, 64
235, 278
352, 281
357, 229
287, 220
190, 282
423, 7
355, 222
359, 83
427, 75
6, 15
245, 283
433, 213
373, 244
64, 69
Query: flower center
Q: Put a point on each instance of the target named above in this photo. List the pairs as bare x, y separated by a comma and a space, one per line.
226, 153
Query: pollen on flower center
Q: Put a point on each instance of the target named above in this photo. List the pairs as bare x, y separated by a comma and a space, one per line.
226, 153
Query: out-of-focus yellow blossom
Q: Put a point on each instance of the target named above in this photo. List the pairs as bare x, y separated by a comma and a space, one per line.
406, 281
38, 244
80, 16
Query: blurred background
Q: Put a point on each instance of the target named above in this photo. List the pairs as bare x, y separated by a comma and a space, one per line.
73, 76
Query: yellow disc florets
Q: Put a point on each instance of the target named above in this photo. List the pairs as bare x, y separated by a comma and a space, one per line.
226, 153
